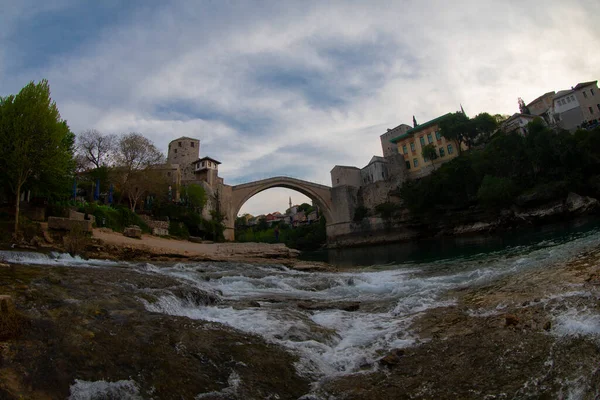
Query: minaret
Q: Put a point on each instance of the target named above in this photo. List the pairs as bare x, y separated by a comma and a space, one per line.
290, 203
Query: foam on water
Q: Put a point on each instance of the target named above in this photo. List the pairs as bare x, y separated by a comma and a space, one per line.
331, 342
123, 390
52, 259
576, 322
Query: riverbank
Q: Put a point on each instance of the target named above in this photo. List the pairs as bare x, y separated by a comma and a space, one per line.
404, 226
523, 323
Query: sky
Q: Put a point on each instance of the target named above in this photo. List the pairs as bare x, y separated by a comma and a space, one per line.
286, 87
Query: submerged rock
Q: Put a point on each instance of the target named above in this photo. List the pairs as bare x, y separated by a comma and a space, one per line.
393, 358
196, 296
344, 306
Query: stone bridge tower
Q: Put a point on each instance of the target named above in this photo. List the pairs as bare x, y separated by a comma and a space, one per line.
183, 152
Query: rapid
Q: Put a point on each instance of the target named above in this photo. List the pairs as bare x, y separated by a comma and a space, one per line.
342, 322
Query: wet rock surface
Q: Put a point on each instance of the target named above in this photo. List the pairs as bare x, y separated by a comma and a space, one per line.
497, 342
90, 325
505, 338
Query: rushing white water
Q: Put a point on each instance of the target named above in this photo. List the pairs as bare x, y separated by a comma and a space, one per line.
333, 341
329, 341
124, 390
53, 259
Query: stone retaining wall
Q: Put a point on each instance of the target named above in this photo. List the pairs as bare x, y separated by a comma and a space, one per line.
66, 224
159, 228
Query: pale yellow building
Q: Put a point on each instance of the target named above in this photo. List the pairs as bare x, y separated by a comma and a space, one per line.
411, 144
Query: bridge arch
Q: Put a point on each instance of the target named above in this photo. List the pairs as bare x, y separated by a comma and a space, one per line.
240, 194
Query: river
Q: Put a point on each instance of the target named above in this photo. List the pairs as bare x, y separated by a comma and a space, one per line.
313, 315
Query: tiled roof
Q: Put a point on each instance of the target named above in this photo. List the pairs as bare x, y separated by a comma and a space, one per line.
185, 138
206, 158
420, 127
539, 98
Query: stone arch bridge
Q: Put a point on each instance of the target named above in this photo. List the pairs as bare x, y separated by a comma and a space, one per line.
232, 198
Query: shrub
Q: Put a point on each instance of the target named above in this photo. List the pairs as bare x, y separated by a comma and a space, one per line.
115, 218
76, 241
178, 229
496, 192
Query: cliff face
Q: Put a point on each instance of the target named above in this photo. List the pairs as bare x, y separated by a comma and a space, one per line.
404, 226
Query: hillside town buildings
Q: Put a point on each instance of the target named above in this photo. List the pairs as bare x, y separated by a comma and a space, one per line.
569, 109
411, 143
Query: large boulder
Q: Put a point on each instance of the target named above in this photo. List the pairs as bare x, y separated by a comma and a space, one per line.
580, 204
67, 224
133, 231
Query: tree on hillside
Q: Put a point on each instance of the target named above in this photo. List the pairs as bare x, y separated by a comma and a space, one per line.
467, 131
483, 127
134, 158
429, 153
35, 143
455, 127
523, 107
95, 148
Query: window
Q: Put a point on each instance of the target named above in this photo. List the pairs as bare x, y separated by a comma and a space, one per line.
168, 174
592, 92
598, 107
175, 151
572, 97
442, 152
563, 102
591, 110
438, 135
191, 144
422, 139
450, 149
404, 149
412, 146
337, 180
415, 162
584, 94
425, 159
179, 143
429, 138
569, 99
408, 165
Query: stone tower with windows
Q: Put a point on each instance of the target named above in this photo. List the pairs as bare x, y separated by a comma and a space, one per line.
183, 152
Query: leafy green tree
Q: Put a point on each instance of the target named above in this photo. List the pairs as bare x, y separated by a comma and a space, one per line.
455, 127
429, 152
262, 224
306, 208
496, 192
35, 143
482, 127
196, 197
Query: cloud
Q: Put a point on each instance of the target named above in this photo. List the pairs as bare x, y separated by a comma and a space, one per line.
291, 88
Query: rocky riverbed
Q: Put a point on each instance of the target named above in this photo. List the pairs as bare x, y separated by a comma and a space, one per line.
521, 323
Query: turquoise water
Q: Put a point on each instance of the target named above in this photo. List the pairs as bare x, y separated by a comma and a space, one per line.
431, 250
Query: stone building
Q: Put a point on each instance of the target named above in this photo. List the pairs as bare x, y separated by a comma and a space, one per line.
588, 99
517, 123
206, 169
184, 151
389, 148
543, 107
